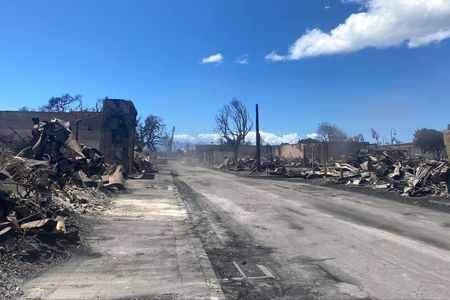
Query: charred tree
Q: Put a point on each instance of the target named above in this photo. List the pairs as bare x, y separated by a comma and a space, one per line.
429, 140
233, 123
151, 133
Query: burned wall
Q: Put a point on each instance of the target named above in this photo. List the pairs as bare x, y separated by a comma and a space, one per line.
410, 150
112, 130
336, 150
118, 132
217, 153
15, 126
290, 151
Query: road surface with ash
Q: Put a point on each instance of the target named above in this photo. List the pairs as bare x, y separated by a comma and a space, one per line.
143, 248
272, 238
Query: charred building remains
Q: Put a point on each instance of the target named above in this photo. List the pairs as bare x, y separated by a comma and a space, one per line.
112, 130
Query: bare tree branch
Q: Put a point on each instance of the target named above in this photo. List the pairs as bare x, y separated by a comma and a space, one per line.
64, 103
233, 124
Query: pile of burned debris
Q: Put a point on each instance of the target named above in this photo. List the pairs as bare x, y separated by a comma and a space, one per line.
394, 171
390, 170
143, 167
45, 190
274, 164
43, 185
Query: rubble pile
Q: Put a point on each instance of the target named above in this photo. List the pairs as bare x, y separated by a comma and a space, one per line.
388, 170
142, 165
42, 186
43, 191
392, 170
246, 164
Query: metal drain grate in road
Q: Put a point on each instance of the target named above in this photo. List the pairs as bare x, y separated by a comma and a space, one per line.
235, 271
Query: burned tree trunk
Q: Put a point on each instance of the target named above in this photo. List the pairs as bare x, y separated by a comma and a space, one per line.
236, 152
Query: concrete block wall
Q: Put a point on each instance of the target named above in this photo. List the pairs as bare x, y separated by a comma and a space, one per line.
21, 121
112, 131
447, 140
118, 132
290, 151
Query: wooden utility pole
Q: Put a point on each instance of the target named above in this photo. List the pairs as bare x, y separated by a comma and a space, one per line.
258, 142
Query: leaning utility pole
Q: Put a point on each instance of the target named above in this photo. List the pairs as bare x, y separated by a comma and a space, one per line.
258, 142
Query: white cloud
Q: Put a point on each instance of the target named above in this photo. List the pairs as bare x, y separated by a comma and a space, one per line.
266, 138
184, 138
208, 137
202, 138
181, 136
312, 135
242, 60
272, 138
213, 59
384, 23
273, 56
434, 37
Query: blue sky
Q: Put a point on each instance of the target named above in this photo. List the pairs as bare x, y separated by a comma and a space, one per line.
363, 75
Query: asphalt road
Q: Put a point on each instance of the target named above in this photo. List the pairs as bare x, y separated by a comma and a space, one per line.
272, 238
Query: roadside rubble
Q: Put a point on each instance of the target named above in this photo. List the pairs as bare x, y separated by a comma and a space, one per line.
389, 170
44, 189
49, 180
143, 168
55, 177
